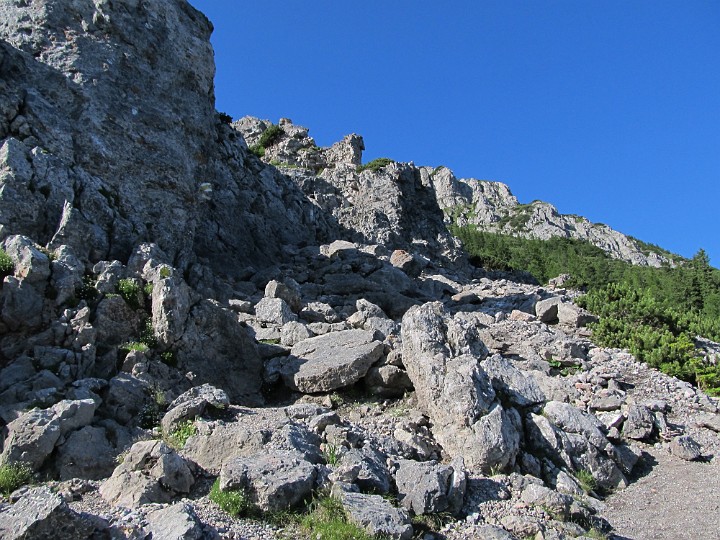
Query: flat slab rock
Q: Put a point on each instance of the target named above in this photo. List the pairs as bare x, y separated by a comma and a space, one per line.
40, 513
377, 515
331, 361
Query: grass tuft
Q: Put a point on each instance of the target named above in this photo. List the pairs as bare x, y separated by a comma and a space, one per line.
234, 502
13, 476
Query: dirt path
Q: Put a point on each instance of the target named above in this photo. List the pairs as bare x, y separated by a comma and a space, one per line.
675, 500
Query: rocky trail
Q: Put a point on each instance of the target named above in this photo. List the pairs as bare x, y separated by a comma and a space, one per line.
675, 499
193, 308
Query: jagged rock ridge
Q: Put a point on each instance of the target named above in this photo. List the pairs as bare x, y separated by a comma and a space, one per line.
168, 283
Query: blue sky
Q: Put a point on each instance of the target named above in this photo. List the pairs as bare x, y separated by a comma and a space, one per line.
606, 109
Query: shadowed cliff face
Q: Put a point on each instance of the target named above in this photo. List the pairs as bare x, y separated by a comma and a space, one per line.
112, 111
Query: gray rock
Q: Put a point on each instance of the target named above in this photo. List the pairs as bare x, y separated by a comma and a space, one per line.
429, 487
441, 356
491, 532
377, 516
373, 474
685, 447
573, 420
294, 332
192, 404
274, 311
216, 348
87, 453
32, 437
170, 308
331, 361
275, 289
406, 262
640, 423
273, 482
520, 389
574, 316
387, 381
40, 513
115, 321
150, 472
178, 522
547, 310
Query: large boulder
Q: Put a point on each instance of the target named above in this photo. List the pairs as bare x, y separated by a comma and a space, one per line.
32, 437
217, 349
442, 355
331, 361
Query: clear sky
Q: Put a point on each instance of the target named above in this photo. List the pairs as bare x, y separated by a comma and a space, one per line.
607, 109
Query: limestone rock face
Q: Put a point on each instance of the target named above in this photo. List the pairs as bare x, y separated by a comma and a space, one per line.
331, 361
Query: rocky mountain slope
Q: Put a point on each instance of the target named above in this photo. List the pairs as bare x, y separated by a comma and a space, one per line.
178, 310
491, 207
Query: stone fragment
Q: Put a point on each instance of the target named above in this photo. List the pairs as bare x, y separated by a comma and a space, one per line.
151, 472
40, 514
87, 453
276, 289
373, 474
377, 516
32, 437
273, 482
192, 404
547, 310
274, 311
331, 361
640, 423
406, 262
178, 522
685, 447
429, 487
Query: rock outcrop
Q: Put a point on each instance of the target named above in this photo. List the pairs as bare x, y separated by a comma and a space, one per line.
185, 299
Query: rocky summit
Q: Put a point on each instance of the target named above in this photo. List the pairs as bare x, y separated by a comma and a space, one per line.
217, 329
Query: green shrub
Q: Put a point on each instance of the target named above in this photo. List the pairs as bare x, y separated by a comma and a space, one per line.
375, 164
134, 346
327, 520
13, 476
87, 290
234, 502
258, 150
147, 334
224, 118
179, 436
7, 266
586, 480
129, 289
267, 139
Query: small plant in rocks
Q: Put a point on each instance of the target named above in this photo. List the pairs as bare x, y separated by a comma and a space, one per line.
586, 480
179, 436
327, 520
13, 476
234, 502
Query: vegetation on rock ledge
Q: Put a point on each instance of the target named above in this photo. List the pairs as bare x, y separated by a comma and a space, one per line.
655, 313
